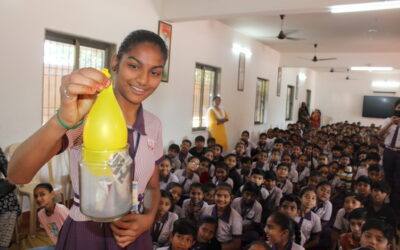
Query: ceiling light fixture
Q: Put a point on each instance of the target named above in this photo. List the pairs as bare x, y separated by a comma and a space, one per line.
239, 49
357, 7
385, 84
369, 68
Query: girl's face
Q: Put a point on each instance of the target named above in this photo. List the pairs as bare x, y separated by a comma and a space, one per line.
257, 179
324, 192
206, 232
165, 205
139, 73
217, 101
289, 208
43, 197
351, 203
196, 195
192, 165
209, 155
221, 174
309, 200
363, 188
374, 239
217, 151
230, 161
176, 193
165, 168
222, 198
274, 232
209, 197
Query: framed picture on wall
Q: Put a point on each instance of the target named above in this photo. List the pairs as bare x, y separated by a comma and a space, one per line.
242, 63
279, 82
165, 32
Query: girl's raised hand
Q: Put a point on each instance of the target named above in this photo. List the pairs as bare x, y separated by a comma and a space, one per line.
78, 92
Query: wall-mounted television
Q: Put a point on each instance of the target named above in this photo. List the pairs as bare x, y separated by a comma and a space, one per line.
378, 106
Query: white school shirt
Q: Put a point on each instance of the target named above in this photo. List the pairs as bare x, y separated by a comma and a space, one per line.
229, 224
186, 181
293, 175
309, 224
264, 166
290, 246
275, 195
263, 192
253, 214
324, 211
286, 187
179, 211
171, 178
390, 133
228, 181
304, 174
167, 225
185, 206
341, 224
361, 171
176, 163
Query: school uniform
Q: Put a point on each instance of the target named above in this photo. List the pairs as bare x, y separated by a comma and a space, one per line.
310, 224
179, 211
286, 186
229, 223
361, 171
293, 175
250, 213
261, 165
198, 153
324, 211
176, 163
303, 174
244, 176
186, 180
183, 158
228, 181
199, 209
168, 179
270, 165
335, 183
342, 223
290, 246
161, 230
272, 201
264, 193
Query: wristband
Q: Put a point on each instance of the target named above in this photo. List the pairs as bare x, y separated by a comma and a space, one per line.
65, 125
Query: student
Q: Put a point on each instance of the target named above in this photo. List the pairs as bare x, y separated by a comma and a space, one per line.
184, 154
222, 175
229, 230
345, 173
165, 172
293, 175
163, 223
198, 149
140, 58
290, 205
324, 206
261, 162
332, 176
273, 160
175, 189
183, 236
314, 179
259, 245
373, 158
209, 154
173, 153
204, 170
275, 195
257, 177
250, 210
309, 222
245, 136
194, 206
363, 186
211, 142
51, 214
188, 176
231, 161
245, 169
262, 143
374, 173
303, 169
282, 174
217, 153
240, 150
377, 235
281, 230
362, 169
209, 192
351, 240
206, 233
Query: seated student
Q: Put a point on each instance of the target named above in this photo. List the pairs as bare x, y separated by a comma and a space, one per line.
261, 162
194, 206
323, 159
375, 173
183, 236
257, 177
287, 147
336, 153
363, 186
376, 235
316, 151
278, 144
184, 154
259, 245
362, 169
273, 160
290, 205
376, 206
250, 210
206, 232
282, 232
324, 206
209, 154
222, 174
211, 142
296, 152
332, 176
176, 191
275, 195
165, 174
324, 169
373, 159
240, 150
314, 179
310, 223
293, 175
261, 144
245, 169
198, 149
282, 174
188, 175
231, 161
245, 136
303, 169
345, 172
342, 224
217, 149
209, 192
229, 230
51, 215
164, 220
203, 170
351, 240
173, 153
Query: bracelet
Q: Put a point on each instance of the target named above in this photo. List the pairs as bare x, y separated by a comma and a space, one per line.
65, 125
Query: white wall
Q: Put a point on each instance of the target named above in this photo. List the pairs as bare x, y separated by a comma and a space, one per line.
340, 99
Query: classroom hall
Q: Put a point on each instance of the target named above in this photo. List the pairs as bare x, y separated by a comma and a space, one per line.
226, 48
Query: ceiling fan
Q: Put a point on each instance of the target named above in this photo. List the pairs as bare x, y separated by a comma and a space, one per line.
316, 59
286, 35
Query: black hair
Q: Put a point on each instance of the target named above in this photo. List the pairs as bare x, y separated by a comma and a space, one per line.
230, 155
142, 36
219, 146
358, 214
171, 185
386, 229
382, 186
208, 220
44, 185
278, 140
211, 139
203, 159
216, 97
188, 141
396, 103
168, 158
199, 138
174, 147
315, 173
283, 165
260, 243
193, 157
166, 194
337, 148
356, 196
245, 132
290, 198
287, 223
208, 187
245, 159
270, 175
224, 186
221, 165
184, 226
251, 187
307, 189
363, 179
324, 183
374, 167
262, 134
258, 171
373, 156
196, 185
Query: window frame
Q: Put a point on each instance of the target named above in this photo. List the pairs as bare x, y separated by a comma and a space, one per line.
290, 88
261, 95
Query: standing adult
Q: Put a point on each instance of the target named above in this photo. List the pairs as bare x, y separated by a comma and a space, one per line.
391, 156
137, 70
304, 115
217, 117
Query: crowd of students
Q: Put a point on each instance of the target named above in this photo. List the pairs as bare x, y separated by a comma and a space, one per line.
318, 188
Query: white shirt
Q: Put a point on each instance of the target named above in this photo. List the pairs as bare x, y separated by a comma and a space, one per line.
253, 214
324, 211
341, 223
309, 224
390, 133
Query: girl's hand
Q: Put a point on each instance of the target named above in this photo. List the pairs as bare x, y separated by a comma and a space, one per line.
78, 92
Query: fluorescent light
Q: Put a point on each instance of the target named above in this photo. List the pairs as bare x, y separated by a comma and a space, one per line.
302, 76
384, 5
239, 49
385, 84
369, 68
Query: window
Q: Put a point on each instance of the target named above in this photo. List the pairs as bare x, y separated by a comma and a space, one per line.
308, 100
63, 54
289, 102
205, 88
261, 100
